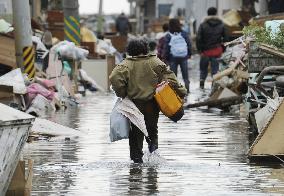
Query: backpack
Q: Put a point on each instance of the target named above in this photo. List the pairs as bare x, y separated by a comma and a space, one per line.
178, 45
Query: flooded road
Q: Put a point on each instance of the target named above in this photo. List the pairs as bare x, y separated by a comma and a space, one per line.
203, 154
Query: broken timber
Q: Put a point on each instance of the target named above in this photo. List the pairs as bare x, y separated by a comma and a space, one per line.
220, 103
271, 50
14, 131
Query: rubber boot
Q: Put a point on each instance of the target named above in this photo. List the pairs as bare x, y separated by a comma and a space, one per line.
201, 84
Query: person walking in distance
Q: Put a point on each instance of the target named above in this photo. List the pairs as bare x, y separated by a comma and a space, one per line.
209, 42
122, 24
136, 77
161, 42
177, 50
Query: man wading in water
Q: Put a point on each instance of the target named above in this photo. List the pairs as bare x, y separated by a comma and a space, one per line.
136, 77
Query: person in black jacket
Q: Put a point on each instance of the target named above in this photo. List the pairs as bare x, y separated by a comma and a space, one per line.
209, 42
122, 24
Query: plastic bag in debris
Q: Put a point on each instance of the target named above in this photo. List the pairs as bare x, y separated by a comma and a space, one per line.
14, 78
85, 77
69, 50
39, 106
39, 44
5, 27
119, 125
105, 47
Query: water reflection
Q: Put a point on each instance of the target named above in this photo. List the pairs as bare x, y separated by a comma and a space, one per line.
203, 154
143, 180
52, 162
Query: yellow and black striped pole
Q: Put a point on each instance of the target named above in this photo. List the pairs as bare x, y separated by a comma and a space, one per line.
28, 61
72, 29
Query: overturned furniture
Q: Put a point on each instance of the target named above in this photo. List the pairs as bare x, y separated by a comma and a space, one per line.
14, 131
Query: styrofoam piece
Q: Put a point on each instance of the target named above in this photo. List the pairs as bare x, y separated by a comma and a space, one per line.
43, 126
14, 78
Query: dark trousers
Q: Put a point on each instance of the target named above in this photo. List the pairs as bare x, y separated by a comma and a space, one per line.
204, 62
182, 62
150, 110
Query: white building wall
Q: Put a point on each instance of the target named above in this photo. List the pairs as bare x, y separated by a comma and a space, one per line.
197, 9
228, 4
6, 10
5, 7
176, 5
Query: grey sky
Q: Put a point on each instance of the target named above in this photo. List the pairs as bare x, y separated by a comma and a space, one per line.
109, 6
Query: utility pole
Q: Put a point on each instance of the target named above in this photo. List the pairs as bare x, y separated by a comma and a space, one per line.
25, 54
72, 31
36, 8
140, 16
100, 17
263, 7
72, 21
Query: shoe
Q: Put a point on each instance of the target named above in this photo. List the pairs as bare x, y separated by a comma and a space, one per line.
201, 84
152, 147
138, 160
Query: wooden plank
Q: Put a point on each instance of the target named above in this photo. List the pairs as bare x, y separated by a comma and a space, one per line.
6, 91
5, 135
17, 136
28, 185
7, 51
17, 185
271, 50
223, 102
261, 20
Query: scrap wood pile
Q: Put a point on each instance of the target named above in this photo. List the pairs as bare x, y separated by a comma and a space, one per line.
229, 84
266, 67
244, 58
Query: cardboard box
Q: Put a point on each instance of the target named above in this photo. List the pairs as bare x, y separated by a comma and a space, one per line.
7, 51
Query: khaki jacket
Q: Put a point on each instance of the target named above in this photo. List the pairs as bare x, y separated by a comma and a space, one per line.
137, 77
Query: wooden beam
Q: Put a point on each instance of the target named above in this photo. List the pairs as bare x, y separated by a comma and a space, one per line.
224, 102
271, 50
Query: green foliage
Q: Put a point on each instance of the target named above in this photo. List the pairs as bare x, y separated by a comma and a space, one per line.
263, 35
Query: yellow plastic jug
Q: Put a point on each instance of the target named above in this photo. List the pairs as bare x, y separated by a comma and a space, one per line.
169, 102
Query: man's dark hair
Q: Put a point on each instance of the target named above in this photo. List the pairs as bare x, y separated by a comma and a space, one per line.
152, 45
212, 11
174, 25
165, 27
138, 46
